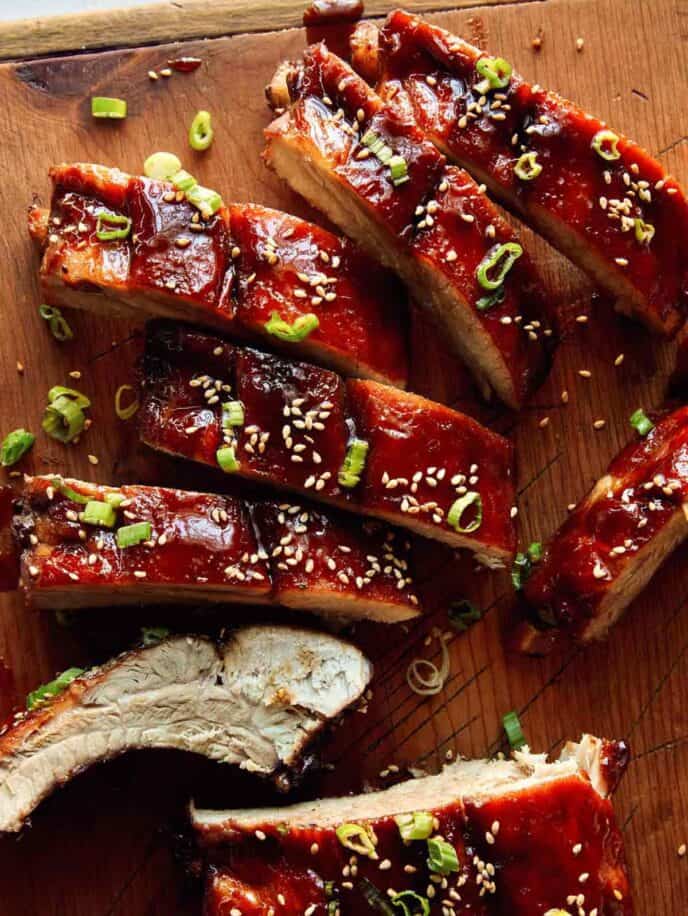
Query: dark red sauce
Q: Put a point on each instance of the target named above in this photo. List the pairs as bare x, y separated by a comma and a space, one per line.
185, 64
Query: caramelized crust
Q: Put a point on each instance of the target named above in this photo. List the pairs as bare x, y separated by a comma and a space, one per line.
612, 543
434, 229
207, 548
299, 421
231, 271
585, 205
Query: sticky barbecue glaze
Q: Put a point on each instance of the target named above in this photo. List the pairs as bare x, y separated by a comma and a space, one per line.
231, 271
207, 548
299, 421
584, 204
597, 557
435, 228
554, 846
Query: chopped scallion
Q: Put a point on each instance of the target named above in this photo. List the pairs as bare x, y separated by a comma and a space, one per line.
125, 413
523, 564
232, 414
644, 232
295, 332
459, 506
104, 107
641, 422
495, 71
415, 826
63, 419
485, 303
79, 399
207, 201
462, 615
372, 895
150, 636
161, 165
398, 170
227, 459
68, 492
131, 535
442, 857
45, 692
411, 903
98, 513
527, 167
115, 499
358, 838
492, 270
354, 462
605, 143
112, 220
57, 323
183, 181
15, 446
514, 732
201, 131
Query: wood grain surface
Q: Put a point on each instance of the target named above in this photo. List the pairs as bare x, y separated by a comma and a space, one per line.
105, 845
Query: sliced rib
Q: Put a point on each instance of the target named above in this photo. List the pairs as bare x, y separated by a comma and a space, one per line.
529, 837
210, 549
615, 539
587, 206
256, 701
231, 271
435, 229
299, 421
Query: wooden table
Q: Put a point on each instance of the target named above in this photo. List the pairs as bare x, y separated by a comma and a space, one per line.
103, 845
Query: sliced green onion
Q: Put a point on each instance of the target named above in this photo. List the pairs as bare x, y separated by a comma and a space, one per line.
373, 896
398, 170
514, 732
354, 462
201, 131
45, 692
161, 165
463, 614
411, 903
204, 199
68, 492
295, 332
63, 419
485, 303
605, 145
358, 839
442, 856
641, 422
644, 232
131, 535
500, 259
232, 414
495, 71
227, 459
523, 564
105, 218
104, 107
15, 446
527, 167
115, 499
150, 636
125, 413
459, 506
183, 181
416, 826
79, 399
57, 323
98, 513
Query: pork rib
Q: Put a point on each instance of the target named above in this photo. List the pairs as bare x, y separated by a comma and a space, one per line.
230, 272
256, 701
299, 422
206, 548
434, 227
612, 543
530, 838
598, 197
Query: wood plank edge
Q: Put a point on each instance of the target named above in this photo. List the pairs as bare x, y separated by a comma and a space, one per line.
177, 20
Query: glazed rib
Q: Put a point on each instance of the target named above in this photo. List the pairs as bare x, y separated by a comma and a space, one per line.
256, 701
298, 423
435, 229
524, 833
230, 272
612, 543
206, 548
588, 207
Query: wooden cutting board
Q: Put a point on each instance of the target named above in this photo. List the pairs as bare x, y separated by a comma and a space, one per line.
104, 845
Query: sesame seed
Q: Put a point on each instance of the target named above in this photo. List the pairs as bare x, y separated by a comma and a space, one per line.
259, 835
93, 459
585, 373
681, 851
599, 424
619, 359
543, 422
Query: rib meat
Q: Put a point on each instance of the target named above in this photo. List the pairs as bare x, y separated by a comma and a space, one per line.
256, 701
208, 548
435, 229
529, 838
230, 272
620, 219
299, 421
612, 543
